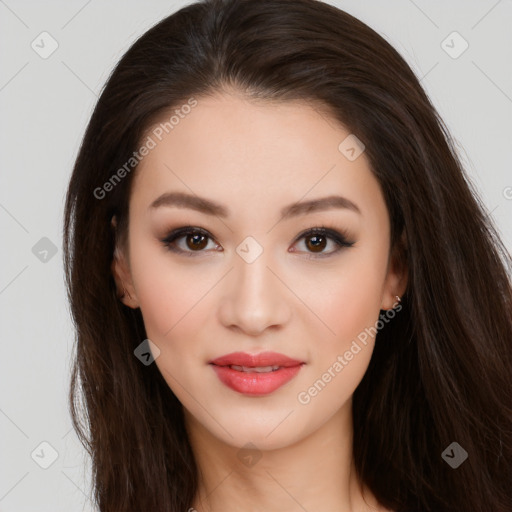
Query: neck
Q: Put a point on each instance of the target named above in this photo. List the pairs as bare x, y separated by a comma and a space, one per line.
315, 473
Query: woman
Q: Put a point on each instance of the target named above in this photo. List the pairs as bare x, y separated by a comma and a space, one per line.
287, 295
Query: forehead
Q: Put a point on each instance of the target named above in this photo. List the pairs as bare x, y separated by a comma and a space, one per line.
234, 149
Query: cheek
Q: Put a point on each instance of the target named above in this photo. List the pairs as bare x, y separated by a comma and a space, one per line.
348, 299
169, 296
350, 308
348, 302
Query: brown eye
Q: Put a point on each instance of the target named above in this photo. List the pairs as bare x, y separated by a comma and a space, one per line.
196, 242
316, 243
189, 241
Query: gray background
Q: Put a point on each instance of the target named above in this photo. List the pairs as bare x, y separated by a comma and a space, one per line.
45, 105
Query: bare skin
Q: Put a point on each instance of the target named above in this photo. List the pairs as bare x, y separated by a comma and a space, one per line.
309, 301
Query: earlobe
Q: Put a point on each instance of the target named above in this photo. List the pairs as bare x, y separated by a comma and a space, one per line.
122, 278
396, 280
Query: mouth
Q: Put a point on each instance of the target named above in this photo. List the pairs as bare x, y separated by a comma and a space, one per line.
256, 375
254, 369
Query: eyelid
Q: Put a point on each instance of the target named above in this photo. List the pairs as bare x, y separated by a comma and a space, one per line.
180, 232
339, 236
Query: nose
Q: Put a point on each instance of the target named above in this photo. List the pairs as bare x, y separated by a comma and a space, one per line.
255, 298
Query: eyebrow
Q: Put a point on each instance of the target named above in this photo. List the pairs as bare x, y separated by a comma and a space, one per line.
209, 207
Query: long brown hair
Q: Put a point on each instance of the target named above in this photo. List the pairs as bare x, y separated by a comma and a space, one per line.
440, 372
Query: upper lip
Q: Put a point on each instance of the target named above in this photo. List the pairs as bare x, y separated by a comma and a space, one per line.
255, 360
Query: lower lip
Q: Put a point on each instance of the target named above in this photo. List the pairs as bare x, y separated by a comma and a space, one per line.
255, 383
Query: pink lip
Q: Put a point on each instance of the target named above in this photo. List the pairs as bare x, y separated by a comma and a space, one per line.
255, 383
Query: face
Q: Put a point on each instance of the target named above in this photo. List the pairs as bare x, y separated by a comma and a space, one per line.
248, 257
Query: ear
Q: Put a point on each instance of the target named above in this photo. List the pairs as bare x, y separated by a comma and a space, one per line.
122, 275
396, 279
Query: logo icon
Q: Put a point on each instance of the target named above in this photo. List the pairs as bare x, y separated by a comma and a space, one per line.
44, 250
351, 147
44, 455
249, 250
249, 455
147, 352
44, 45
454, 455
454, 45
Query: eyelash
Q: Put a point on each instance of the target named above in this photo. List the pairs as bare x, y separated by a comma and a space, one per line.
340, 239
